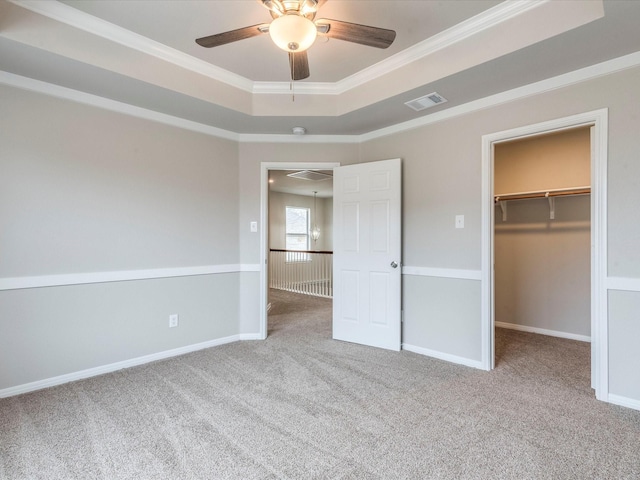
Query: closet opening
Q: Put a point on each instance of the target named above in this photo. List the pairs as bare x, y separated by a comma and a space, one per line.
542, 251
596, 123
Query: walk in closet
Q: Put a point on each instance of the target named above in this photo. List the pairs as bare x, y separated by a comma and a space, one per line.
542, 234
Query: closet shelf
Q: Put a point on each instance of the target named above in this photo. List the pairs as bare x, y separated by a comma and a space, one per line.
548, 194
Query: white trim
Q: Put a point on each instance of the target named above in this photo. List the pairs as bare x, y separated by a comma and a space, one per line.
96, 26
264, 231
472, 26
443, 273
447, 357
623, 283
291, 138
599, 309
112, 367
608, 67
249, 267
599, 259
624, 401
543, 331
17, 283
302, 88
588, 73
250, 336
65, 93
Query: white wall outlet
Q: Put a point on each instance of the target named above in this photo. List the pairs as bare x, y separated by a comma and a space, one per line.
173, 320
253, 226
459, 221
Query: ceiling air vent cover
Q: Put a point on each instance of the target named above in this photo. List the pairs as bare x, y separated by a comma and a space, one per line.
310, 175
426, 101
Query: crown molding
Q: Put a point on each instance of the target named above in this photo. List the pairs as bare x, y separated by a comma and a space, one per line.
615, 65
300, 88
609, 67
271, 138
38, 86
475, 25
83, 21
96, 26
472, 26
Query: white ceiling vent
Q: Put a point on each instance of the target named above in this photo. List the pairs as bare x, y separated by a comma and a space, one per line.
310, 175
426, 101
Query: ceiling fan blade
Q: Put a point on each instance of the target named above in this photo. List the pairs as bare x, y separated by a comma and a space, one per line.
232, 35
299, 64
356, 33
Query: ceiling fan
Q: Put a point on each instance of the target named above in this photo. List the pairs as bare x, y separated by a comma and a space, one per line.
294, 29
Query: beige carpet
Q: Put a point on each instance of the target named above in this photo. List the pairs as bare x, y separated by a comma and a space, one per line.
302, 406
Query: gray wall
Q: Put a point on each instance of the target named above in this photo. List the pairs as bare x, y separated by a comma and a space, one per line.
253, 154
85, 190
125, 172
442, 178
48, 332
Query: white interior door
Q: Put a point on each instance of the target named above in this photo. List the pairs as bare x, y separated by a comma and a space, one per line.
367, 254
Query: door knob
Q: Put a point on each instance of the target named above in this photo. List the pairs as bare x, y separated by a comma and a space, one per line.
394, 264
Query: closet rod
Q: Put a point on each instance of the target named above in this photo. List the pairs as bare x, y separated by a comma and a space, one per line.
543, 193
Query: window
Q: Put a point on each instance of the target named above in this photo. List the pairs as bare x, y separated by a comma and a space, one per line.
297, 233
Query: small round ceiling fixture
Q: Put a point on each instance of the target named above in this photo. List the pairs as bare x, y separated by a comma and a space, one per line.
299, 130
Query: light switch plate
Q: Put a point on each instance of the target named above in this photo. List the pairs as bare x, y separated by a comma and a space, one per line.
253, 226
459, 221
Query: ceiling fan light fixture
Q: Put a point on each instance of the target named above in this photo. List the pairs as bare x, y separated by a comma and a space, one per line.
308, 7
293, 33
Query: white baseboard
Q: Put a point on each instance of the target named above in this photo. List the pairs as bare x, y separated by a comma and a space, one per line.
543, 331
250, 336
467, 362
624, 401
112, 367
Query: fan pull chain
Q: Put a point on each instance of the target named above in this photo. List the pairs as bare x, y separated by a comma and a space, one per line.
293, 75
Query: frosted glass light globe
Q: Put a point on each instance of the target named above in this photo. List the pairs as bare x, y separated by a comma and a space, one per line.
293, 33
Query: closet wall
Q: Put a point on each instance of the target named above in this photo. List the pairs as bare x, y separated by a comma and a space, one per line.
542, 265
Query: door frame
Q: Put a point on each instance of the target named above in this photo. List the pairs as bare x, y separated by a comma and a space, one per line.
264, 231
598, 120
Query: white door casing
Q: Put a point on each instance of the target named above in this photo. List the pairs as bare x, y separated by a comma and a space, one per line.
598, 119
367, 254
264, 230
